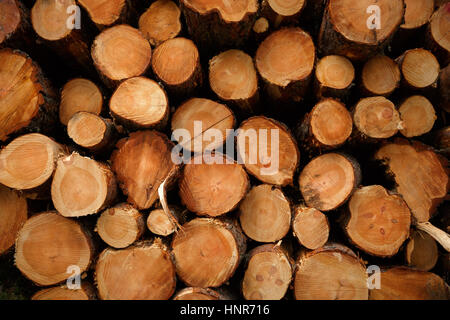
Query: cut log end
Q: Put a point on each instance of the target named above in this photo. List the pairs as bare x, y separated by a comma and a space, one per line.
121, 52
310, 227
330, 122
413, 162
286, 8
176, 62
286, 56
207, 252
86, 292
350, 19
160, 224
265, 214
207, 116
88, 130
213, 189
420, 68
401, 283
49, 18
378, 222
268, 274
120, 226
261, 26
140, 103
273, 160
160, 22
228, 12
440, 24
330, 274
329, 180
380, 76
377, 117
151, 152
21, 102
197, 294
10, 19
13, 214
421, 251
335, 72
82, 186
417, 13
18, 172
418, 116
148, 273
79, 95
232, 76
104, 12
46, 261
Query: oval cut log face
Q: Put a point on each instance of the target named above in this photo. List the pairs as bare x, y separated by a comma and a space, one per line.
143, 272
20, 93
48, 244
340, 276
327, 181
267, 276
231, 11
286, 56
286, 7
10, 20
121, 52
351, 19
49, 18
268, 150
379, 223
206, 253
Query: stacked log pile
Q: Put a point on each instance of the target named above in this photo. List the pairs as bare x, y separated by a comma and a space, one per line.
209, 150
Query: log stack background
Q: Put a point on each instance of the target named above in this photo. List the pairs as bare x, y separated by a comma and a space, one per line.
87, 178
